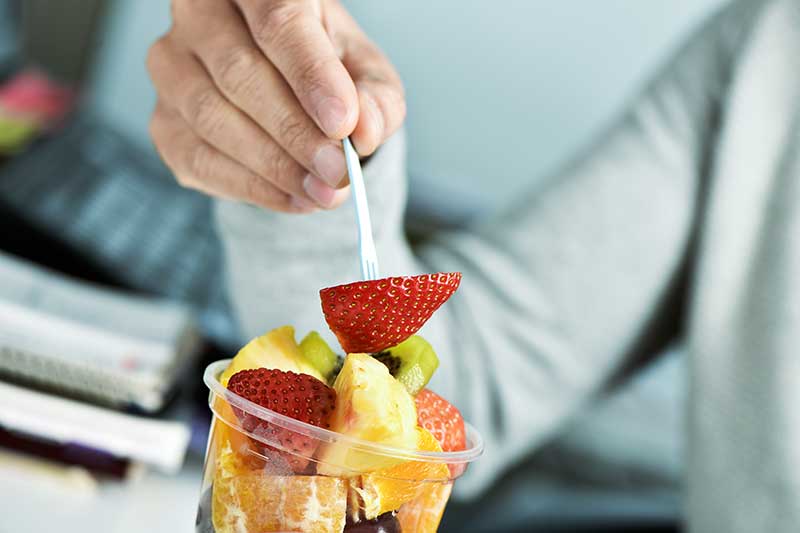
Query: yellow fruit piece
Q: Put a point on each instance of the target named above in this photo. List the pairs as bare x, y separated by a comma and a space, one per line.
386, 490
423, 514
370, 405
252, 501
276, 349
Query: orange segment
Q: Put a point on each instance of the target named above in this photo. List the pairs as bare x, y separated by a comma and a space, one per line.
423, 514
222, 433
246, 500
387, 489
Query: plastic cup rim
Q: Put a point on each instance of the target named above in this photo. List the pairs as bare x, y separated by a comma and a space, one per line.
211, 379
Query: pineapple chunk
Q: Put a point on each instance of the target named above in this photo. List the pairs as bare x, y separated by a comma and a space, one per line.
276, 349
370, 405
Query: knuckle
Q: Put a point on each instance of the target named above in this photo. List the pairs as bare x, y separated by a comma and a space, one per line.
174, 10
253, 188
285, 174
264, 164
290, 130
154, 129
287, 170
155, 54
396, 115
181, 10
402, 111
396, 94
311, 73
154, 125
274, 18
163, 142
237, 69
391, 105
275, 166
261, 193
199, 159
205, 111
182, 180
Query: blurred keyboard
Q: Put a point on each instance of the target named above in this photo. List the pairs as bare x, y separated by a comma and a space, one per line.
116, 205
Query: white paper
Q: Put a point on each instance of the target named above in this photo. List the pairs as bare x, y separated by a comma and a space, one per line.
158, 443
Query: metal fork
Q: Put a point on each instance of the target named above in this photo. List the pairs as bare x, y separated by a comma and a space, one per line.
366, 246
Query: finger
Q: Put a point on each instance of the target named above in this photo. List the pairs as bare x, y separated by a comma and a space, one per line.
383, 110
382, 106
198, 165
324, 195
240, 70
291, 35
184, 85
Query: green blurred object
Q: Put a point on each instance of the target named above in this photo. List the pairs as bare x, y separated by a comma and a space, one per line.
15, 134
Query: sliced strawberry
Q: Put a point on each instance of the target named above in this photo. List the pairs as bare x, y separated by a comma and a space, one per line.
298, 396
444, 421
370, 316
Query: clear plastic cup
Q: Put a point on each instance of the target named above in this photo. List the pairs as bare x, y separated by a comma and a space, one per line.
252, 483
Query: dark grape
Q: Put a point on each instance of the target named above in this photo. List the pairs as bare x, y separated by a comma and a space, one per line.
385, 523
203, 521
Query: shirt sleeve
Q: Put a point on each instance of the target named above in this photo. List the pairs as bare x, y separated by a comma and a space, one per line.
558, 290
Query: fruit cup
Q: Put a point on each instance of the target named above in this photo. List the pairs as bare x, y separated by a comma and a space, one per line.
266, 472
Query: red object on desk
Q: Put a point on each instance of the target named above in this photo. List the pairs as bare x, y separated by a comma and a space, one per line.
32, 95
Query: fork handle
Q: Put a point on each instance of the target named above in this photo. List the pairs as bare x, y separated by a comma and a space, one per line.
366, 245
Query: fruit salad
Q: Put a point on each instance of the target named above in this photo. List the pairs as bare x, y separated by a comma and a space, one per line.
309, 440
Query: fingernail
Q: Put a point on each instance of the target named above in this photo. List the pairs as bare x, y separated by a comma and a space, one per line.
329, 164
303, 205
322, 193
331, 114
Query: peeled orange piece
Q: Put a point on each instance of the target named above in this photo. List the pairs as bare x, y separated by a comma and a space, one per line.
253, 501
222, 434
387, 489
423, 514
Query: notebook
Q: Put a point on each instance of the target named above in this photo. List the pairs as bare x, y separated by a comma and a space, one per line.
116, 205
88, 429
108, 346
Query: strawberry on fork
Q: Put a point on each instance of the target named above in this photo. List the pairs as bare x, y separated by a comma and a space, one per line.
370, 316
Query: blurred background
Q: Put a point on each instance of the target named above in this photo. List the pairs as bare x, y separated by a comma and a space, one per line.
111, 296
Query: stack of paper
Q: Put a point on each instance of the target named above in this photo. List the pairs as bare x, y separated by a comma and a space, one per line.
76, 360
86, 341
157, 443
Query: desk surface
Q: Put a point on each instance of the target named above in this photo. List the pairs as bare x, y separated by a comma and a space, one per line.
154, 503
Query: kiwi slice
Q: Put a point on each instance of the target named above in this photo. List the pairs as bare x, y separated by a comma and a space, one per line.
412, 362
317, 352
336, 368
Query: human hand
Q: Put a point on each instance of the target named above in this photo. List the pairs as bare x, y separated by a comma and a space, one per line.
254, 96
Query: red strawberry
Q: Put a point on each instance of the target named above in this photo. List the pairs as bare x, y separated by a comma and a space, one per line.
298, 396
370, 316
444, 421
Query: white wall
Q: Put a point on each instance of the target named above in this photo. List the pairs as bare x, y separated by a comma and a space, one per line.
121, 90
499, 92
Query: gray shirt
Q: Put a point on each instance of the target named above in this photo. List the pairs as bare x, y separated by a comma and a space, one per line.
682, 220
